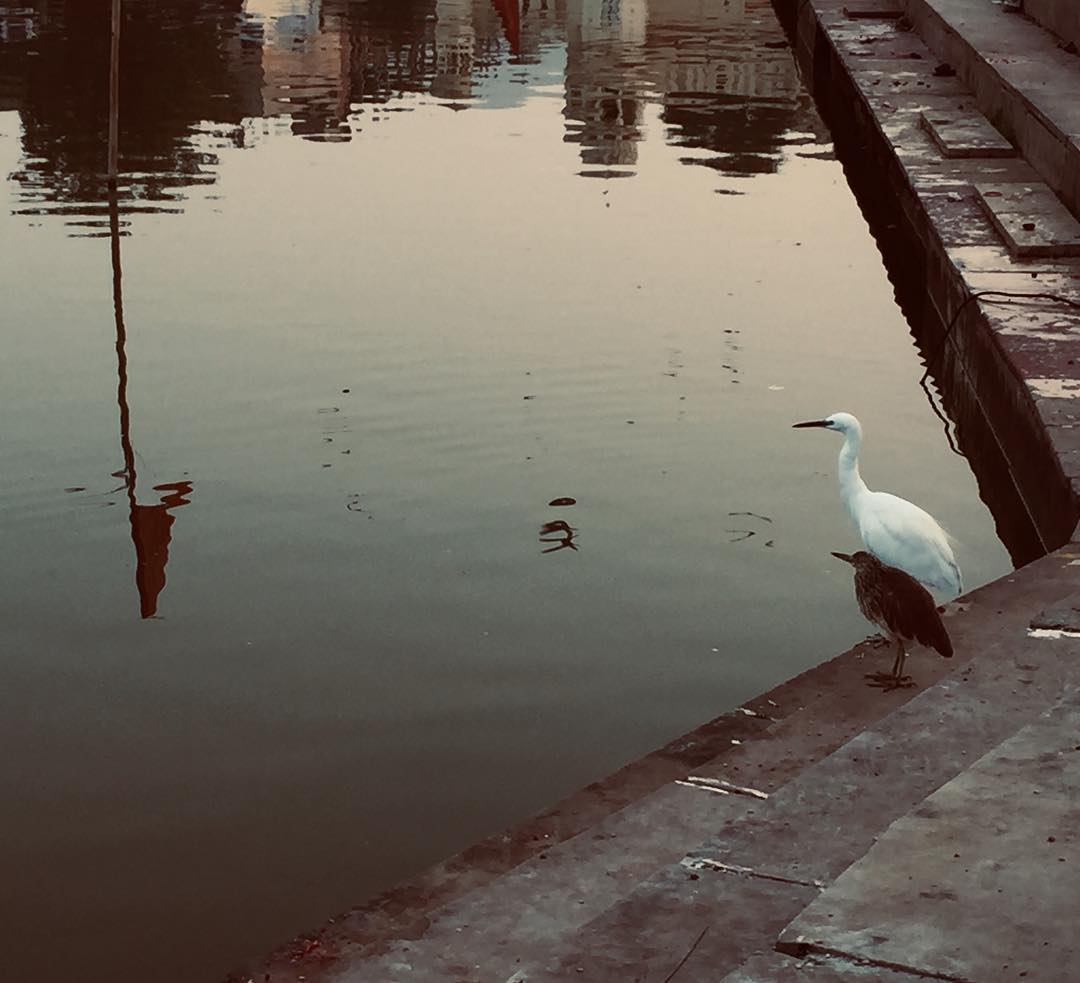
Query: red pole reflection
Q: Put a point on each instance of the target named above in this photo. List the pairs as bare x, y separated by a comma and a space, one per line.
150, 524
510, 14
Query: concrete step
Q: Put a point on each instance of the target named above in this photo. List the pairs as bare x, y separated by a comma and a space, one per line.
965, 133
1031, 219
520, 915
502, 918
776, 967
731, 896
995, 850
1022, 79
621, 892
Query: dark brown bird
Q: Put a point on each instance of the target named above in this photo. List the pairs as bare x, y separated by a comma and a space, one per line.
901, 607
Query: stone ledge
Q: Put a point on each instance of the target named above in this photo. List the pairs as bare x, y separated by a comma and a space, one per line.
1023, 82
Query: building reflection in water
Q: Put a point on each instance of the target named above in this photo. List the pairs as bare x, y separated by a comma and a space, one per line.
202, 76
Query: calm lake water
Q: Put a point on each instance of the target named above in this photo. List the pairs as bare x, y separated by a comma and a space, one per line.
289, 610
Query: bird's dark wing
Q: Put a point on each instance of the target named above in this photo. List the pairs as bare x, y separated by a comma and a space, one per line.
911, 612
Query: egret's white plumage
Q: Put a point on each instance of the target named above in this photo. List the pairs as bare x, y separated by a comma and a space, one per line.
896, 531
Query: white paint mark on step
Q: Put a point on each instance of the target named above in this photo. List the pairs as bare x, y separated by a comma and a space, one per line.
1052, 633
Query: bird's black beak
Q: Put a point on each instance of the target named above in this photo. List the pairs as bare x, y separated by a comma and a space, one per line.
810, 423
846, 557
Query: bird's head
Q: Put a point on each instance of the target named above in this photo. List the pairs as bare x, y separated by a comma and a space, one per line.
859, 559
845, 423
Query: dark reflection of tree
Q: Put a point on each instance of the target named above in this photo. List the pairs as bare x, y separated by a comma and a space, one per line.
183, 62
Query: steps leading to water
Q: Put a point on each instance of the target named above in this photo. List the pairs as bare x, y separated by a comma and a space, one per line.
683, 872
1023, 81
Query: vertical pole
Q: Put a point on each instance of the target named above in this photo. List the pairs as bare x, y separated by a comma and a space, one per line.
126, 447
114, 93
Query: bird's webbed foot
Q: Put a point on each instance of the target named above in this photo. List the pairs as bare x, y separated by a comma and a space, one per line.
877, 641
886, 681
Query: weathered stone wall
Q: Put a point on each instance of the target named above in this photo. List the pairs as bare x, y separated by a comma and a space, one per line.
1060, 16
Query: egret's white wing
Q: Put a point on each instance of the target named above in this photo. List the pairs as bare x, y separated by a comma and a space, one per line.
902, 535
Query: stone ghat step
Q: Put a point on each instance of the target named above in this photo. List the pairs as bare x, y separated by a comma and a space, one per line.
622, 900
1022, 80
732, 896
992, 853
965, 133
526, 889
1030, 218
775, 967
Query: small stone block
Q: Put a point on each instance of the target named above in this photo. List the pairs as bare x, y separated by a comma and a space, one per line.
965, 134
872, 10
1063, 617
1031, 219
1020, 196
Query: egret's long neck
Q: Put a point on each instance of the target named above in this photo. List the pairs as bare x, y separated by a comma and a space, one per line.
852, 487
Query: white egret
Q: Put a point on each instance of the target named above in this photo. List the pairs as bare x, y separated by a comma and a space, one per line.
896, 531
901, 607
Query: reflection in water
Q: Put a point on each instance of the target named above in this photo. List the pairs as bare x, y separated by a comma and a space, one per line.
150, 531
510, 13
150, 524
425, 265
559, 532
200, 76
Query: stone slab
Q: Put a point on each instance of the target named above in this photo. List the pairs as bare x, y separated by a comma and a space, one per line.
1031, 219
778, 967
1063, 616
518, 892
989, 269
872, 10
991, 858
965, 134
528, 911
1022, 79
681, 924
817, 824
884, 771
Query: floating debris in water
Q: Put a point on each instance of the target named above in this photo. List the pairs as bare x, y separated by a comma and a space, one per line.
557, 502
550, 532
